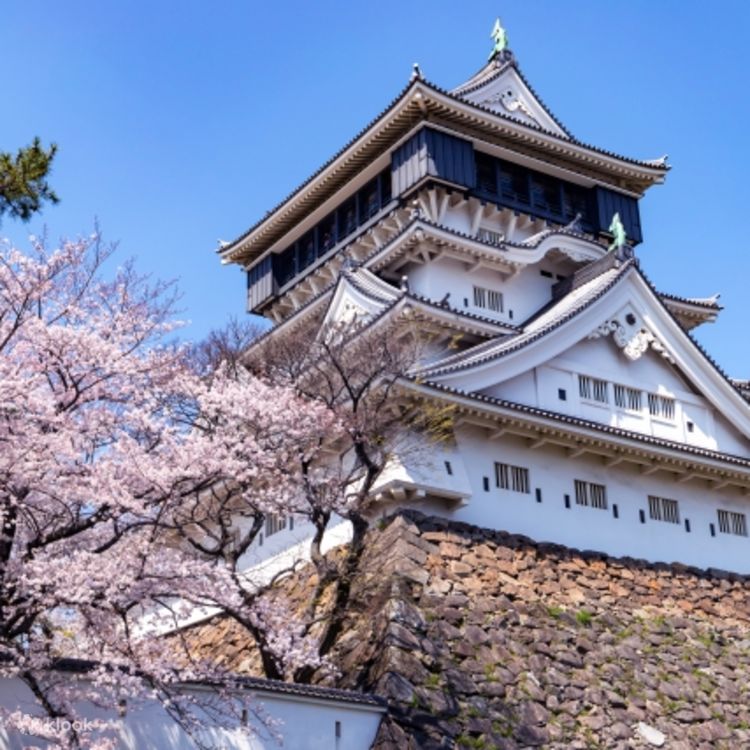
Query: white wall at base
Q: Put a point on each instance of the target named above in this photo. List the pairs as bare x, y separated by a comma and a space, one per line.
297, 723
553, 473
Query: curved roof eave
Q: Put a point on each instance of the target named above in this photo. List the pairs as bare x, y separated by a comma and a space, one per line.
538, 137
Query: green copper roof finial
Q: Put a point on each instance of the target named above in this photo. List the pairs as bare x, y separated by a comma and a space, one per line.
618, 233
500, 36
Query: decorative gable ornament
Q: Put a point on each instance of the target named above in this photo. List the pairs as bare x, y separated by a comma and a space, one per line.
634, 344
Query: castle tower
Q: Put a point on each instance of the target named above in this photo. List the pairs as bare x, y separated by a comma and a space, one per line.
585, 413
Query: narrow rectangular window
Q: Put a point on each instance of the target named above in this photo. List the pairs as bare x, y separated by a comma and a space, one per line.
480, 296
486, 483
591, 494
667, 407
514, 478
598, 496
600, 390
488, 299
620, 398
584, 386
593, 389
732, 523
501, 476
274, 523
661, 406
582, 496
520, 478
634, 399
663, 509
494, 300
448, 468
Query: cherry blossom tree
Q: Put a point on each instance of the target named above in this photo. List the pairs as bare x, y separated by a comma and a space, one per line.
135, 476
123, 473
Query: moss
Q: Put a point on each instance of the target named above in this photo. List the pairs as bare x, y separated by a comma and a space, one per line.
584, 617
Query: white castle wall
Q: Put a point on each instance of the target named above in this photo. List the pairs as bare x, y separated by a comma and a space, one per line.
282, 721
523, 294
552, 472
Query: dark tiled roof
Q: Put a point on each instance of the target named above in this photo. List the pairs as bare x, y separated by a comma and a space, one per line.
708, 304
596, 426
322, 168
690, 336
81, 666
596, 149
421, 81
312, 691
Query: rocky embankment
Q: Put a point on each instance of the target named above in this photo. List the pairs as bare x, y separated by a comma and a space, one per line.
482, 639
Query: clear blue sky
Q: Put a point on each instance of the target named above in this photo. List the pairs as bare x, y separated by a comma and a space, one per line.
182, 122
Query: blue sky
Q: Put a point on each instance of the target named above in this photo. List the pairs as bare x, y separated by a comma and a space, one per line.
182, 122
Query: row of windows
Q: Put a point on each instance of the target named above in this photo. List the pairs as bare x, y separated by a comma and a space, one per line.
659, 509
625, 397
524, 188
488, 299
350, 215
594, 495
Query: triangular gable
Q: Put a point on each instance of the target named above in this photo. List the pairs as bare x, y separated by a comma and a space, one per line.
618, 306
358, 297
503, 90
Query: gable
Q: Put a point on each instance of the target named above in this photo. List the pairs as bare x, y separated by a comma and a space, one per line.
358, 297
508, 95
623, 335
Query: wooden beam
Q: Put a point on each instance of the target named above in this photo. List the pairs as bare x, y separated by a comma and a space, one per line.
512, 221
443, 206
575, 453
476, 219
432, 194
525, 221
649, 470
424, 205
686, 478
720, 485
494, 435
533, 445
613, 461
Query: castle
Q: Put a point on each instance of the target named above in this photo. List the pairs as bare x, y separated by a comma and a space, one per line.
585, 413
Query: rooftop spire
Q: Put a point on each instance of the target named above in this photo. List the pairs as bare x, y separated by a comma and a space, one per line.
500, 36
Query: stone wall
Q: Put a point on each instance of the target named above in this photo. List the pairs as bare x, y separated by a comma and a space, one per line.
482, 639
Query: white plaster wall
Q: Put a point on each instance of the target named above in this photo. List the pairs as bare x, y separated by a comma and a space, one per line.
295, 724
553, 472
523, 294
